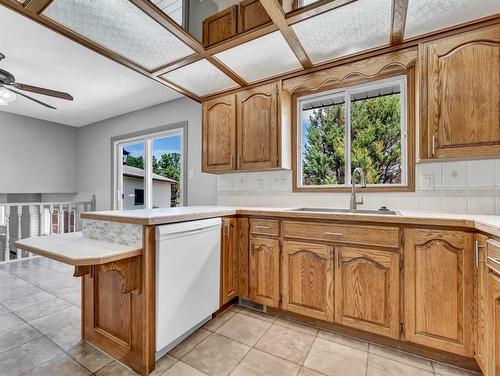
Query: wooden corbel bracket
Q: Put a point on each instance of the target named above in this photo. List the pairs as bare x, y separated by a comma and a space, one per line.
129, 270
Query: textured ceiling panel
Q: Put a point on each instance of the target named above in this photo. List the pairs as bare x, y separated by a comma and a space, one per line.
425, 16
121, 27
201, 78
342, 31
260, 58
102, 88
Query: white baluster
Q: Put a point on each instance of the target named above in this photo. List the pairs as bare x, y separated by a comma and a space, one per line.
32, 212
51, 216
61, 219
41, 218
7, 233
19, 234
77, 218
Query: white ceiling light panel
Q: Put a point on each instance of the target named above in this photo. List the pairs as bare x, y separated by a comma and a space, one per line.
201, 78
425, 16
121, 27
354, 27
260, 58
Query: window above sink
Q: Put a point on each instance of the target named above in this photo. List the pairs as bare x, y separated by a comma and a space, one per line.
368, 125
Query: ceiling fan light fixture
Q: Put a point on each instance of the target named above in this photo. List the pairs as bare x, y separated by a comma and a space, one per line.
7, 96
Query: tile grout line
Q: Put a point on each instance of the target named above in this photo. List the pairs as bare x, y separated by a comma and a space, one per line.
42, 335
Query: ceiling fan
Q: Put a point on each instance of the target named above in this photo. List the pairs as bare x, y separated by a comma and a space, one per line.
8, 82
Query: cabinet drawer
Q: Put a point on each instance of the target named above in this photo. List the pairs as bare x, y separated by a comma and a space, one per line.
264, 227
364, 235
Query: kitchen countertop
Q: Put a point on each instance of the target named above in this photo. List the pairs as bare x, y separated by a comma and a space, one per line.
76, 249
487, 223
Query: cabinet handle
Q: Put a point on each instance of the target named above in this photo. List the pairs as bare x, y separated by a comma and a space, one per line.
263, 227
231, 158
238, 161
252, 248
433, 144
333, 233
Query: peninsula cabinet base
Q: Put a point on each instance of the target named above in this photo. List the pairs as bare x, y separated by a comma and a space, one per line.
118, 308
427, 352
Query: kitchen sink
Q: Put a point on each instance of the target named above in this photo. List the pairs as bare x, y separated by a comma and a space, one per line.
348, 211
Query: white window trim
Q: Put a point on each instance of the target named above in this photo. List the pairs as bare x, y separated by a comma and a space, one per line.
346, 92
147, 139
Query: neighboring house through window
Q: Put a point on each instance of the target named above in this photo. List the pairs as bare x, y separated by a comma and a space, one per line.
149, 168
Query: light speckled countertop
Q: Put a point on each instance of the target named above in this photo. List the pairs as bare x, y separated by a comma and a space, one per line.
486, 223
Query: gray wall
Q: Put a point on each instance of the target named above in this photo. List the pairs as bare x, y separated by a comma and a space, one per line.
37, 156
94, 154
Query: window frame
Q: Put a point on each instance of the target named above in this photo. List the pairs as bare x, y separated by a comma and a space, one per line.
357, 84
147, 137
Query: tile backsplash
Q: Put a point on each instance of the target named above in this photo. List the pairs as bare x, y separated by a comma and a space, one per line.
462, 187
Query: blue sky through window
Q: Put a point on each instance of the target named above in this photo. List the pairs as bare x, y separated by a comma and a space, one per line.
170, 144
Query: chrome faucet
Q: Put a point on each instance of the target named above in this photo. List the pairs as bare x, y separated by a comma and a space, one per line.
354, 202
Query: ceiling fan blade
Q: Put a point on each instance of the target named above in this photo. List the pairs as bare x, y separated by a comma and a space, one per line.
30, 98
41, 90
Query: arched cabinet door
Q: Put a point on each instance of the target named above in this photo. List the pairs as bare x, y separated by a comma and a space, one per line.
460, 95
264, 271
219, 134
308, 279
439, 272
258, 133
367, 290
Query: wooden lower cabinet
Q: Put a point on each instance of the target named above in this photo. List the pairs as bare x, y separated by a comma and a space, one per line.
481, 300
367, 290
308, 279
439, 289
265, 271
229, 260
493, 324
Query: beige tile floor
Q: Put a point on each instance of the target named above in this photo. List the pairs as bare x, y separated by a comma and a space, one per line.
40, 335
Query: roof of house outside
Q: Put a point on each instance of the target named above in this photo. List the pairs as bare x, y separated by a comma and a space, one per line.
135, 172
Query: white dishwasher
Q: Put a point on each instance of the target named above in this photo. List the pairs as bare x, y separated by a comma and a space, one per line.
187, 279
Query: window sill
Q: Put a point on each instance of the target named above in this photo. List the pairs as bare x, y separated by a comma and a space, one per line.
409, 188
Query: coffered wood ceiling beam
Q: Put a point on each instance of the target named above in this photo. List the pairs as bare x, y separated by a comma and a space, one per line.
277, 15
398, 23
36, 6
37, 17
183, 61
152, 11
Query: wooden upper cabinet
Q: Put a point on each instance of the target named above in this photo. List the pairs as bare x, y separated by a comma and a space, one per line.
308, 279
229, 260
265, 271
367, 290
219, 134
460, 95
246, 131
252, 14
257, 118
439, 289
220, 26
481, 299
493, 325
